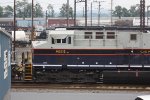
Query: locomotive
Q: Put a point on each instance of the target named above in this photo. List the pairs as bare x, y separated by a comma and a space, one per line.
93, 54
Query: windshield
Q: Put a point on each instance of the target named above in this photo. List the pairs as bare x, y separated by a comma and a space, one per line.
138, 98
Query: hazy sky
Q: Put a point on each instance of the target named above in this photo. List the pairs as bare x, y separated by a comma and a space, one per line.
58, 3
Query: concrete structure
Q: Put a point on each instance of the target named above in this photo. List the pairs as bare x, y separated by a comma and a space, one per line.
5, 65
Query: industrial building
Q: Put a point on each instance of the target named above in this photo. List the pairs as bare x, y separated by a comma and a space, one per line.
5, 65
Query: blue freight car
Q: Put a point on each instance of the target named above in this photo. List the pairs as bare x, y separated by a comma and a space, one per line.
5, 66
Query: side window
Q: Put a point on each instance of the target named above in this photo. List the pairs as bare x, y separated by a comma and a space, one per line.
88, 35
110, 35
58, 40
99, 35
64, 40
69, 40
133, 37
53, 41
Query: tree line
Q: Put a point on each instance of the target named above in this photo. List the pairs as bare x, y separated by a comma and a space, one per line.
133, 11
24, 10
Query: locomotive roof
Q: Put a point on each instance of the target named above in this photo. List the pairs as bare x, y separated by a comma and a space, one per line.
105, 28
60, 34
53, 32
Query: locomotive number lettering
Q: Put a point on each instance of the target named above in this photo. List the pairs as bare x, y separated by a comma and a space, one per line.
61, 51
145, 51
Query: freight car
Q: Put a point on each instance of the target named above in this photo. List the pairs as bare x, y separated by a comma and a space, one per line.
93, 54
5, 66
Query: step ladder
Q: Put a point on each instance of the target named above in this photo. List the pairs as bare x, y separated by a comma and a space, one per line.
101, 77
28, 72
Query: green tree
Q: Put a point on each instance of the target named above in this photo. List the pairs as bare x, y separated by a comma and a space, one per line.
38, 10
134, 11
71, 12
20, 8
118, 12
125, 12
63, 11
28, 11
1, 11
50, 10
8, 11
24, 9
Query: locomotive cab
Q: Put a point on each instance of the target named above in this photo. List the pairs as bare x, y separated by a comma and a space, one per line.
61, 38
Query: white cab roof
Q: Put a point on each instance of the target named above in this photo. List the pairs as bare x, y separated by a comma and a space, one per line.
60, 34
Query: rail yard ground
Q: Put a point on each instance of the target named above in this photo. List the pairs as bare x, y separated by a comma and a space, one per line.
78, 92
120, 87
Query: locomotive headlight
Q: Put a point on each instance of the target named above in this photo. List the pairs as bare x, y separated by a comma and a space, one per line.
110, 63
131, 51
96, 63
82, 62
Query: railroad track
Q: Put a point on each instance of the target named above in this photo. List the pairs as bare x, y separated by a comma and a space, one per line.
81, 86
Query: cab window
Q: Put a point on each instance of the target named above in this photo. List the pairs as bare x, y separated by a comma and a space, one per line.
64, 40
58, 40
53, 41
99, 35
133, 37
88, 35
110, 35
69, 40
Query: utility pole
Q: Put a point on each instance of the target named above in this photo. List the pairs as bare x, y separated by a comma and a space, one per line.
99, 8
32, 32
67, 13
111, 12
14, 30
74, 12
85, 11
46, 17
142, 15
99, 11
91, 13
